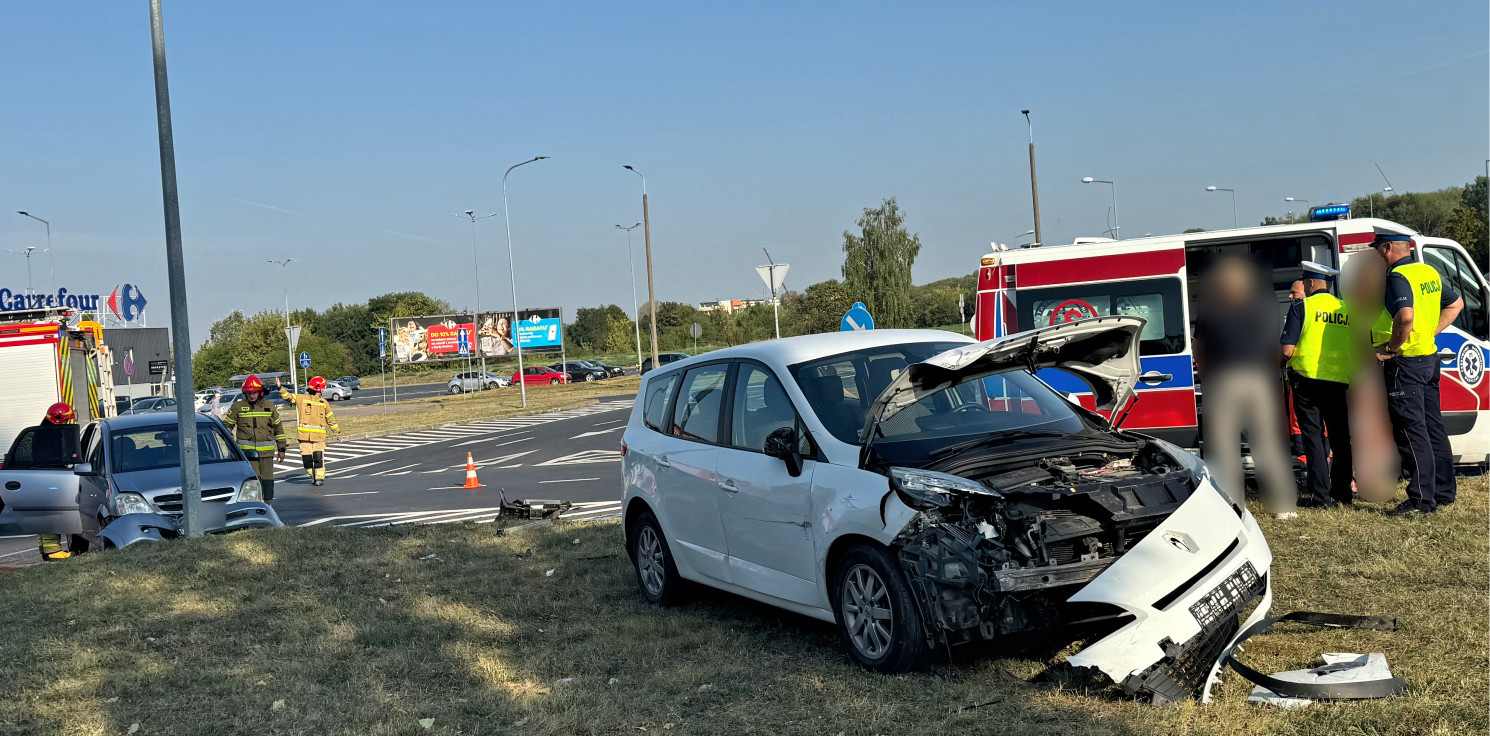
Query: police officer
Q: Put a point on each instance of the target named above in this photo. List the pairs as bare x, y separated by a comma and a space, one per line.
1316, 342
314, 416
1418, 307
50, 545
255, 423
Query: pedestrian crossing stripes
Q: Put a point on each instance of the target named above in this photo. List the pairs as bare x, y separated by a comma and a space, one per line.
344, 451
586, 511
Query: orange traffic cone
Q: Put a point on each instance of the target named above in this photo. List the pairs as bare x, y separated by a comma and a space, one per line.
471, 481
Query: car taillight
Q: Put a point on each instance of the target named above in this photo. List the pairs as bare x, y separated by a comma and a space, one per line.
623, 447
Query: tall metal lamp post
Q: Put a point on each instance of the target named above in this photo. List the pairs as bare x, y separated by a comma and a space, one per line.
1034, 184
651, 290
1234, 223
1297, 199
1116, 230
512, 276
476, 273
283, 276
636, 314
51, 259
30, 290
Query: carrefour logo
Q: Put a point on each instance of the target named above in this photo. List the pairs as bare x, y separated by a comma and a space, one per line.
11, 301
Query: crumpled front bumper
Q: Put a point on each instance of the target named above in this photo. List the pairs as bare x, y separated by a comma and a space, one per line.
217, 518
1186, 584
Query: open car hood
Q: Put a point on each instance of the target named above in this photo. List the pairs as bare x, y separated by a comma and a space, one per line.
1103, 351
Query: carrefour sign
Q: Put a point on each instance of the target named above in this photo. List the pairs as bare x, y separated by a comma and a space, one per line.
125, 301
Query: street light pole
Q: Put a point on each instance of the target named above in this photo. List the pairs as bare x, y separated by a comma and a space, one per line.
1034, 183
30, 290
636, 314
1297, 199
1234, 224
476, 272
517, 342
651, 290
186, 420
294, 380
51, 259
1116, 229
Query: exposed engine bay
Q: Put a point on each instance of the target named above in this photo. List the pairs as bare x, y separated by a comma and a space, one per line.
1003, 541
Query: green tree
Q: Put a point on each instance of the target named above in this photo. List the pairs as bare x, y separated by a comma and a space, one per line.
353, 327
406, 304
620, 334
877, 264
226, 329
1194, 230
1425, 212
1467, 223
935, 304
817, 308
592, 325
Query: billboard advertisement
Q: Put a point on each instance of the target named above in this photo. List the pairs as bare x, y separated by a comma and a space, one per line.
449, 337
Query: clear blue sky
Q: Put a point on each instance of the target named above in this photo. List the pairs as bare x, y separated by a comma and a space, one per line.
343, 133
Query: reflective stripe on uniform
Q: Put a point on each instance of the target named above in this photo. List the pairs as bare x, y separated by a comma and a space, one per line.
258, 448
255, 414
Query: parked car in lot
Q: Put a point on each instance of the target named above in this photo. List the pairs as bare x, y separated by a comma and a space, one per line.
351, 382
336, 391
218, 405
611, 370
119, 481
151, 404
663, 359
475, 381
922, 491
579, 370
537, 375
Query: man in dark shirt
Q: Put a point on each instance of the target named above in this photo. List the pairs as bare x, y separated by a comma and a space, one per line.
1237, 358
1418, 306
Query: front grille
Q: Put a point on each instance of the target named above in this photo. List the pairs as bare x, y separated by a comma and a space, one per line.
171, 502
1184, 669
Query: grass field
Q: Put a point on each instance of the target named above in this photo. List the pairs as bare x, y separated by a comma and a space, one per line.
337, 631
485, 405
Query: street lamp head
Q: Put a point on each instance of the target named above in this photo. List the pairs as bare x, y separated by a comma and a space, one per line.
21, 212
1210, 189
1024, 112
470, 213
1087, 180
1386, 189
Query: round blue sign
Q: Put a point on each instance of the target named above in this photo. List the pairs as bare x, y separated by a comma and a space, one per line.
305, 360
856, 318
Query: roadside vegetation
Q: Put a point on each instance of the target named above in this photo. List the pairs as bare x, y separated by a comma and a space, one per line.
541, 631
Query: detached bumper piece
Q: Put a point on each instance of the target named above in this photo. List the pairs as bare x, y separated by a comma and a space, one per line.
533, 508
217, 518
1360, 690
1183, 671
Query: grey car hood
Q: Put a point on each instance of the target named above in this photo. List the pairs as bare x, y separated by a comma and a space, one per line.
1103, 351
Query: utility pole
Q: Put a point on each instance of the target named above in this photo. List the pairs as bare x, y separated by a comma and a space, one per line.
636, 314
651, 290
294, 381
186, 419
1034, 183
517, 341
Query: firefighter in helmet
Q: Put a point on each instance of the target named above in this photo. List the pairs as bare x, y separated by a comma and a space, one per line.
254, 421
51, 544
314, 416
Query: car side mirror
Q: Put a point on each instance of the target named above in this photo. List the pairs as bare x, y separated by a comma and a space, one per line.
83, 469
782, 445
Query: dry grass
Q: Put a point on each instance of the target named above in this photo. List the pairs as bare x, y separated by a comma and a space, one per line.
485, 405
336, 631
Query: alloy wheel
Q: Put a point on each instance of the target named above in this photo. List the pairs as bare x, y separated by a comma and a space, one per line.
649, 561
865, 602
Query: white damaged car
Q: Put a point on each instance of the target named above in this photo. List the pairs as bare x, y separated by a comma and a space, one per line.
924, 491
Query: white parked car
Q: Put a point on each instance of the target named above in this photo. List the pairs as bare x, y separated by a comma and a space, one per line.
924, 491
335, 391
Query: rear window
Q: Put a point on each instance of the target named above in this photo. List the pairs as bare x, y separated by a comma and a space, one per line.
1155, 300
42, 447
654, 406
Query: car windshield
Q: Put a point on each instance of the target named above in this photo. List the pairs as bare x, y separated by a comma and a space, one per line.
841, 389
149, 448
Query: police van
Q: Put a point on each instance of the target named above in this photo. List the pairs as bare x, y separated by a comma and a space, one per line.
1156, 278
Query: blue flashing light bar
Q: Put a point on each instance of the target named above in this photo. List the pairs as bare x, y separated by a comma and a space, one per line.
1329, 212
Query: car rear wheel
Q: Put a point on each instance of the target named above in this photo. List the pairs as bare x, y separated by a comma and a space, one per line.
454, 390
553, 381
655, 572
877, 618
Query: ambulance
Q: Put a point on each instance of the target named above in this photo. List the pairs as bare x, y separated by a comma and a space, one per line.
1156, 278
43, 360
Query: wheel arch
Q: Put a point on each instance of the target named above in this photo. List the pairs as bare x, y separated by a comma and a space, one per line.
837, 550
634, 509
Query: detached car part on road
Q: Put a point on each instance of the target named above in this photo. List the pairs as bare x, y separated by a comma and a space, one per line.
923, 491
117, 481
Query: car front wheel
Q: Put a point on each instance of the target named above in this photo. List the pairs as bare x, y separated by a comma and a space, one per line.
655, 572
877, 618
454, 390
553, 381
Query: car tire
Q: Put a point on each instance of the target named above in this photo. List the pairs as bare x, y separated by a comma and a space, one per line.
878, 620
652, 559
589, 377
454, 390
553, 381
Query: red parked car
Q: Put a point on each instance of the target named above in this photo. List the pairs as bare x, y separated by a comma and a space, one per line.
538, 375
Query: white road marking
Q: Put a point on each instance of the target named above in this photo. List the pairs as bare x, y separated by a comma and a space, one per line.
21, 552
594, 433
364, 465
353, 475
613, 421
508, 467
485, 463
569, 480
513, 442
586, 456
489, 439
352, 493
391, 470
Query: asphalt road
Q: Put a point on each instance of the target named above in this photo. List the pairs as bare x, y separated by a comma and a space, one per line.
416, 477
367, 396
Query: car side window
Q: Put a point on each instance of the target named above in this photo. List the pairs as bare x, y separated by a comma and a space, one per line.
761, 407
654, 409
93, 449
700, 404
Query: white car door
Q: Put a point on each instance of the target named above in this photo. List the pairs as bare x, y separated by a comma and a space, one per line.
766, 510
686, 458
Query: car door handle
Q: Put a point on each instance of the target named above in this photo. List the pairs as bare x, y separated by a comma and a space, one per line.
663, 463
728, 486
12, 485
1156, 377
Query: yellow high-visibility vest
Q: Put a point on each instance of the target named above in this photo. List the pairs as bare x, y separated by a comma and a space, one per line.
1323, 350
1426, 288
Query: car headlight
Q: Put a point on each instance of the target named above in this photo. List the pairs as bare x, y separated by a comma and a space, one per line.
132, 503
927, 488
251, 490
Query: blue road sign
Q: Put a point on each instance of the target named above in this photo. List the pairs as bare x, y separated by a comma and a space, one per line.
856, 318
382, 343
463, 341
305, 360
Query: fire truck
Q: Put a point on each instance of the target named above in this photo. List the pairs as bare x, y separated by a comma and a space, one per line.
43, 360
1156, 278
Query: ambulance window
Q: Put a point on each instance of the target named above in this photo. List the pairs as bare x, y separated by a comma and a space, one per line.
1155, 300
1459, 276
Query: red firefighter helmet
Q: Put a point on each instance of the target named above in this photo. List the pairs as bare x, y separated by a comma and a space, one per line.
253, 384
60, 413
317, 383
